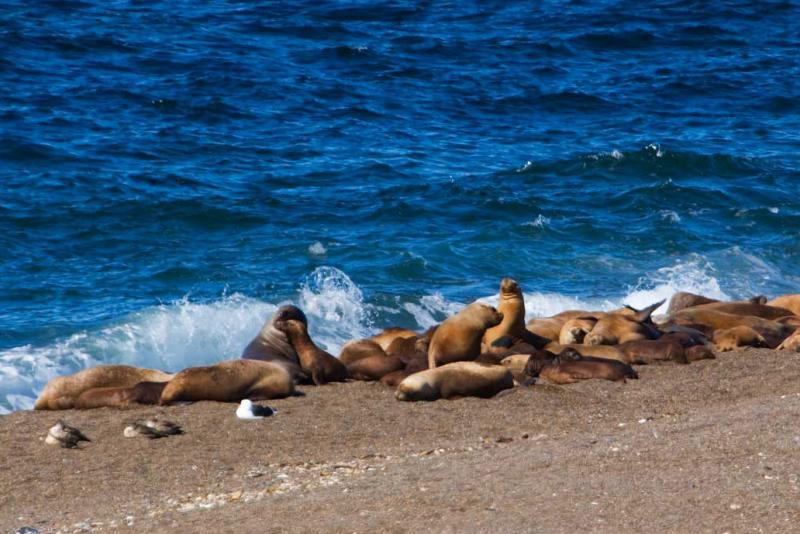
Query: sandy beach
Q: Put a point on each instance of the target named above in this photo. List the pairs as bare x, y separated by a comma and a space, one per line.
709, 447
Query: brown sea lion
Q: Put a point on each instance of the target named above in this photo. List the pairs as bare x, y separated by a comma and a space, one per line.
410, 349
645, 351
141, 393
62, 392
565, 370
230, 381
511, 304
575, 330
385, 338
453, 380
773, 332
459, 337
748, 308
374, 367
608, 352
789, 302
272, 345
738, 337
791, 343
698, 352
394, 378
614, 329
315, 362
516, 363
683, 299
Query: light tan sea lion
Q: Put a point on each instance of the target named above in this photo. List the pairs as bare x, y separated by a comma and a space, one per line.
141, 394
791, 343
453, 380
357, 349
62, 392
773, 332
511, 304
546, 327
738, 337
272, 345
459, 337
789, 302
614, 329
575, 330
516, 364
230, 381
315, 362
385, 338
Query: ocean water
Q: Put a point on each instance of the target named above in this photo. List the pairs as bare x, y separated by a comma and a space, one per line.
171, 172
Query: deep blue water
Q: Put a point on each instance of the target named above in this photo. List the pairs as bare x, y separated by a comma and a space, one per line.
172, 171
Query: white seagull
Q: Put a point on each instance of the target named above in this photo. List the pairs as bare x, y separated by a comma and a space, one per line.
248, 410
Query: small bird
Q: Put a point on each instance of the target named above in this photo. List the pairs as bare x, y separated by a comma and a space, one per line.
140, 429
64, 435
248, 410
165, 427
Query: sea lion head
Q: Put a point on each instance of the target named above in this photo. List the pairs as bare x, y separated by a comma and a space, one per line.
536, 363
289, 312
509, 288
487, 314
569, 354
291, 326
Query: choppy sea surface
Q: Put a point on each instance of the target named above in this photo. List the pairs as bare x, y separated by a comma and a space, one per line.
171, 172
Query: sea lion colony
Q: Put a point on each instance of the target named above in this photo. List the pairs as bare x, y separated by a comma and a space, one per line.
478, 352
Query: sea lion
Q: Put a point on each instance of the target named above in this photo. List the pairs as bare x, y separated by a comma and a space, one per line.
614, 329
315, 362
645, 351
564, 369
773, 332
683, 299
140, 394
791, 343
410, 349
230, 381
516, 363
458, 379
394, 378
61, 392
511, 304
272, 345
738, 337
698, 352
546, 327
385, 338
374, 367
748, 308
459, 337
608, 352
360, 348
789, 302
575, 330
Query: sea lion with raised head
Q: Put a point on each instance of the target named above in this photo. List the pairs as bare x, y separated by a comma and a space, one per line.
738, 337
459, 337
62, 392
272, 345
229, 381
511, 304
143, 393
454, 380
615, 329
315, 362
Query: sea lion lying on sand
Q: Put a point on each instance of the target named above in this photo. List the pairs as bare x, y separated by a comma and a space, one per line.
738, 337
62, 392
772, 331
229, 381
140, 394
569, 367
645, 351
575, 330
791, 343
789, 302
454, 380
614, 328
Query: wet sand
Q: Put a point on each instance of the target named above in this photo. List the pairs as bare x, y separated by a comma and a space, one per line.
709, 447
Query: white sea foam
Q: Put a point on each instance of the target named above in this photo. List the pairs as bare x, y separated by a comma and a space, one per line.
539, 222
317, 249
670, 216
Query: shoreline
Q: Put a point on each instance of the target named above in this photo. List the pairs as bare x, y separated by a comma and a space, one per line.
712, 447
